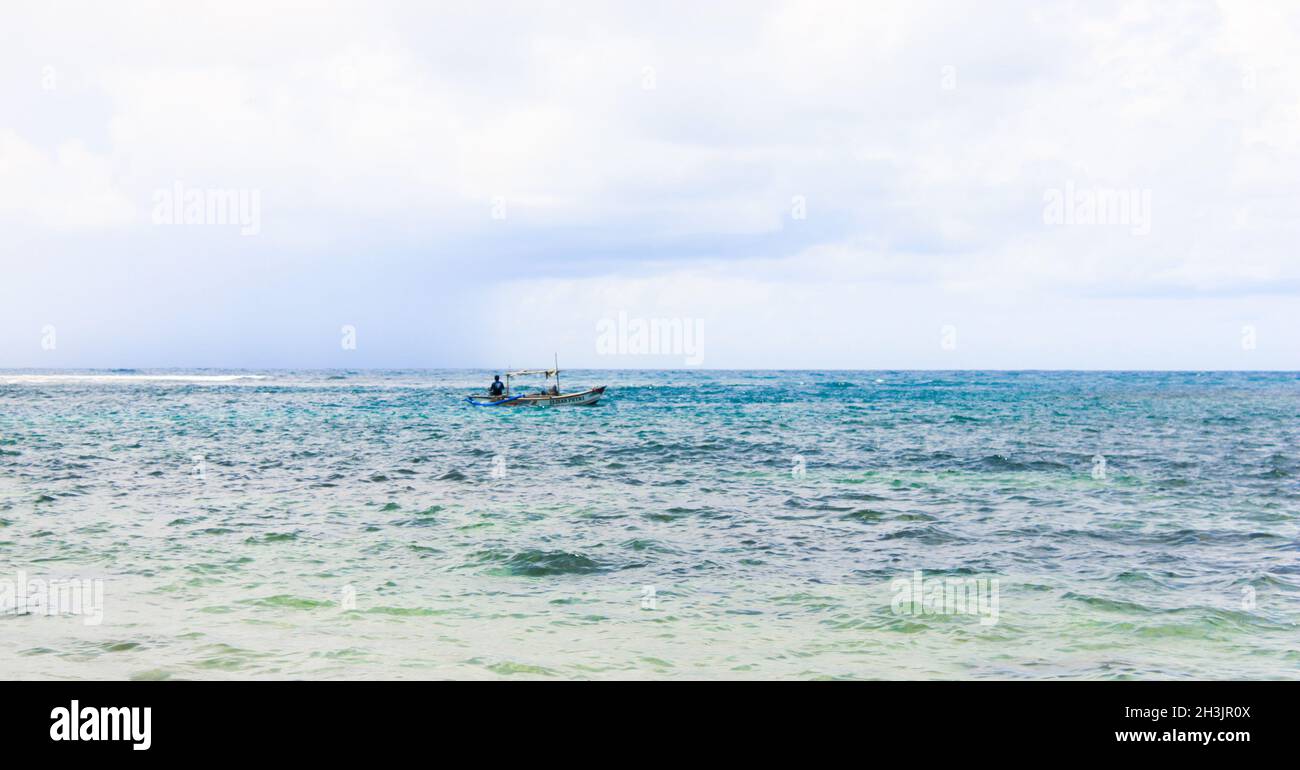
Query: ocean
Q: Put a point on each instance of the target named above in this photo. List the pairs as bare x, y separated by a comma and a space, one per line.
693, 525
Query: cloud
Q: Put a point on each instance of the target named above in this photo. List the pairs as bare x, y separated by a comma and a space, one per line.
675, 151
70, 188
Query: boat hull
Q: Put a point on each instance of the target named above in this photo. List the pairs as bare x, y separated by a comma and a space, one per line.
581, 398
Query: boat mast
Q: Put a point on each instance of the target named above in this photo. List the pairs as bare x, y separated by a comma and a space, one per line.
557, 372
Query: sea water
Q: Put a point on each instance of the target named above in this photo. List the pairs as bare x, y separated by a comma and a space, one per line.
695, 524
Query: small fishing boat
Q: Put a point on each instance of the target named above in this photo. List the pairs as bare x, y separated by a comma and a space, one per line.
548, 396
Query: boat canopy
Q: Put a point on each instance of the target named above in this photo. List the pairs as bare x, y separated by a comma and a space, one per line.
522, 372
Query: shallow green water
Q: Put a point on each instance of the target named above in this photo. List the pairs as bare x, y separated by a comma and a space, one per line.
371, 525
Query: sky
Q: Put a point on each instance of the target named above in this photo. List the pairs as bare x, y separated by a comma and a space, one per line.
855, 185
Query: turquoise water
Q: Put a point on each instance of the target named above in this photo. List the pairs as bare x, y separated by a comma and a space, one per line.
694, 525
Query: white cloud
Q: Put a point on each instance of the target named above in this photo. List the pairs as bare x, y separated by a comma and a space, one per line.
68, 188
658, 148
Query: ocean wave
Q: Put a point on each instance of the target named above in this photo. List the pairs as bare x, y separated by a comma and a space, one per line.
537, 563
350, 506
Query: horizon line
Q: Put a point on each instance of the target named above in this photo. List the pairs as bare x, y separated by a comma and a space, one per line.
127, 369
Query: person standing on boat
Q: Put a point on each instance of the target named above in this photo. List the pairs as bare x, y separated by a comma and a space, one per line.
498, 388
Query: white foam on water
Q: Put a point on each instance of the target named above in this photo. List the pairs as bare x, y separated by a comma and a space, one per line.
40, 379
